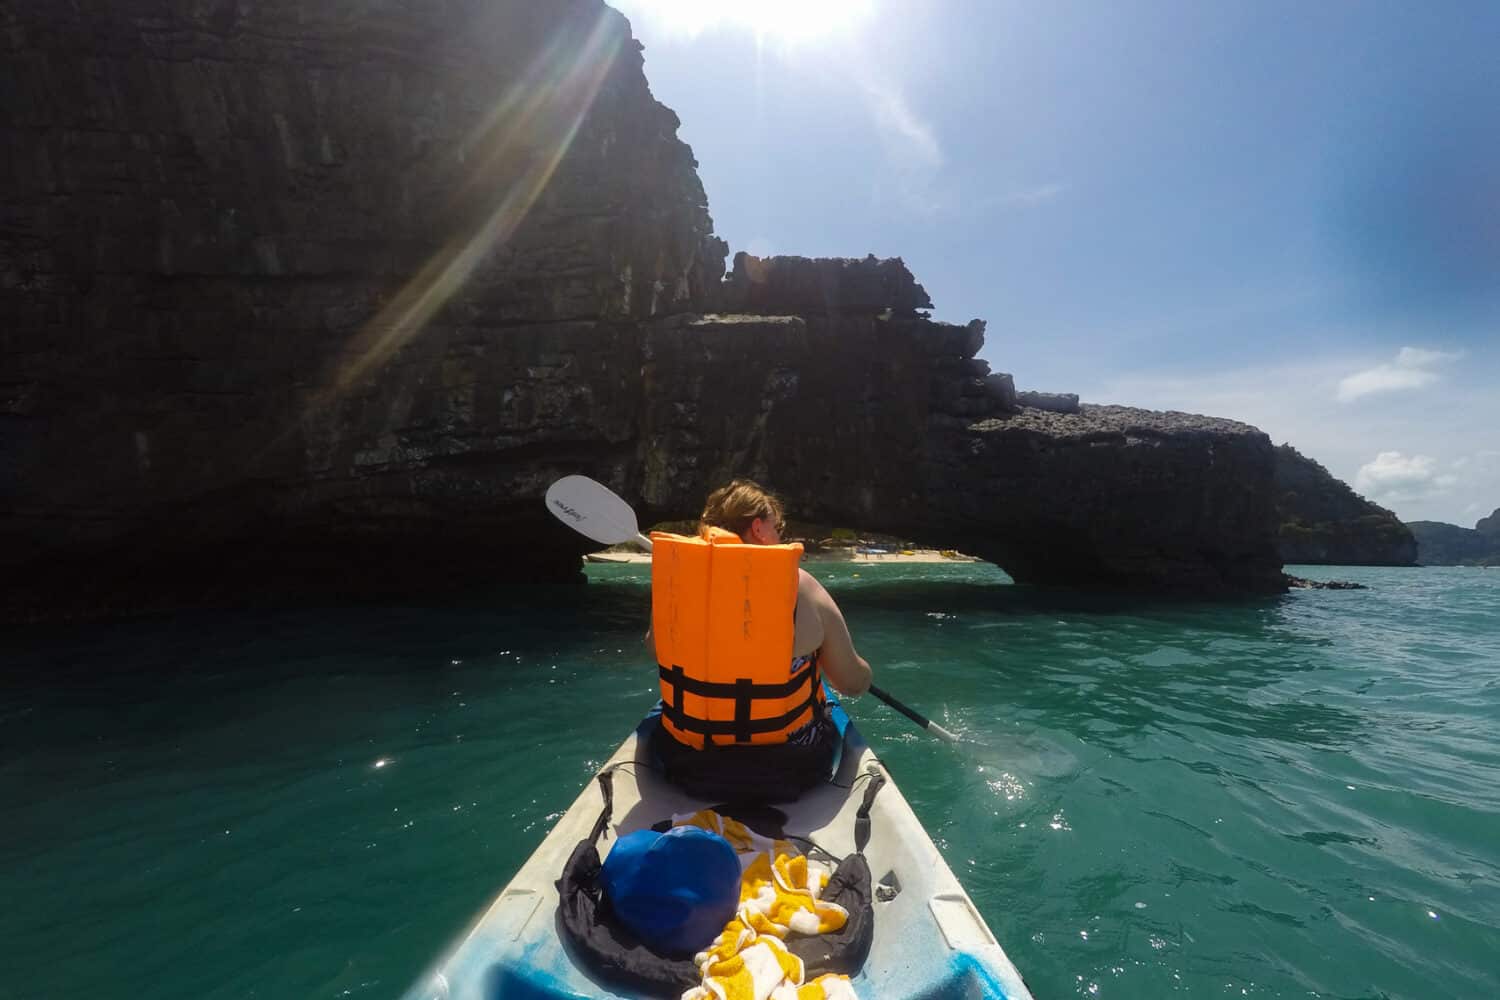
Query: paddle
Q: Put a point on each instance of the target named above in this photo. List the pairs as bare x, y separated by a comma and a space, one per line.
915, 716
595, 511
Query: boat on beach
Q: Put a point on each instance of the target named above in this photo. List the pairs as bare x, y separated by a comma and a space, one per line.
929, 940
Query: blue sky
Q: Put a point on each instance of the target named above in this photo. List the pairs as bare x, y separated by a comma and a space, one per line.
1284, 213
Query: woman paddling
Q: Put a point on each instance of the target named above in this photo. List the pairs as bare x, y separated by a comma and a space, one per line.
744, 638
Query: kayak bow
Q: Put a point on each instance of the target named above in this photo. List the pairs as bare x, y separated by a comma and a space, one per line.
929, 940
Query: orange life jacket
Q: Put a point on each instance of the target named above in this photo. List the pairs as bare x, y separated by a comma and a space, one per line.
722, 615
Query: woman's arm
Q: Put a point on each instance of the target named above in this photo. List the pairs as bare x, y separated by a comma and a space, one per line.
844, 668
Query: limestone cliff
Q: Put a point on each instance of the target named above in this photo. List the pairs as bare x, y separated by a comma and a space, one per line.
317, 298
893, 425
272, 274
1324, 522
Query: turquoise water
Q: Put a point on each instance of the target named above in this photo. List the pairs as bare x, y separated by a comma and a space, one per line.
1295, 797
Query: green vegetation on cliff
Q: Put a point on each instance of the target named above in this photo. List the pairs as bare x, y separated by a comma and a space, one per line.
1323, 521
1440, 544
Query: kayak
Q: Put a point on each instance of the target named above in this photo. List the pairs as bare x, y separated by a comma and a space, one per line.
929, 941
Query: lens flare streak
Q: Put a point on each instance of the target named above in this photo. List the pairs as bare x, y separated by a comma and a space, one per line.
521, 141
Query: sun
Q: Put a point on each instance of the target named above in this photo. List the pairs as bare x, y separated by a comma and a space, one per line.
789, 22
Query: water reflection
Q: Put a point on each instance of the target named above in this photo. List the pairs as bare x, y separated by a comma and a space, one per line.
1097, 663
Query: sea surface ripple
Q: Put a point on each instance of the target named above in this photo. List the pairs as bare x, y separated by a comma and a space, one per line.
1290, 797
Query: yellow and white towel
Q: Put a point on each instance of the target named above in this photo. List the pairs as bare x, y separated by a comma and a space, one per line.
780, 894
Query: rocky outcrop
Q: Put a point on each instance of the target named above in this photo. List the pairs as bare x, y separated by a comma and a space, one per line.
1108, 496
1115, 495
317, 299
1324, 522
1440, 544
1302, 583
1002, 389
1057, 402
827, 286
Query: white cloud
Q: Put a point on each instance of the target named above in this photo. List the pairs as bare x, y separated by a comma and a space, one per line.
1295, 403
1412, 369
1395, 477
1386, 378
1417, 357
909, 139
914, 158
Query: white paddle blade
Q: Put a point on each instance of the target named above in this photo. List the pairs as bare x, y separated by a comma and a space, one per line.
941, 733
592, 509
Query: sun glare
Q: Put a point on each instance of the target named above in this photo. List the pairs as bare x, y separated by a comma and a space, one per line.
791, 22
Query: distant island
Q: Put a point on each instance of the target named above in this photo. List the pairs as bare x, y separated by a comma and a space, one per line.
1440, 544
1321, 521
1324, 522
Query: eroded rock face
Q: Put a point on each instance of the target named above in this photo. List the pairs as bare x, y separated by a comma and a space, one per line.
318, 298
890, 425
1116, 495
1324, 522
259, 264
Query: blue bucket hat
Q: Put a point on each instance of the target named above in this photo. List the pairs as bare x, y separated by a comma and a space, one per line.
674, 890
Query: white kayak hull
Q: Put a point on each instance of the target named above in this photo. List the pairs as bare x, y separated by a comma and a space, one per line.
929, 941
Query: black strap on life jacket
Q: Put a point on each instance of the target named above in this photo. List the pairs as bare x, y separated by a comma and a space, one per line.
743, 692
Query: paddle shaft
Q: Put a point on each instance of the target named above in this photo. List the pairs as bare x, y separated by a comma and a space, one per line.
914, 715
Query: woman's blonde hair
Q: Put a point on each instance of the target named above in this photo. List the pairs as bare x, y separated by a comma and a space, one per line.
735, 506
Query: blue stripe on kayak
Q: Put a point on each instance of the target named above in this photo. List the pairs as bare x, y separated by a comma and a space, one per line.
524, 979
840, 719
968, 978
964, 978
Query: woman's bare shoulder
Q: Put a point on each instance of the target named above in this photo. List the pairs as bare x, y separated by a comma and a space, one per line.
809, 588
808, 585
